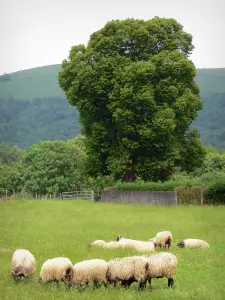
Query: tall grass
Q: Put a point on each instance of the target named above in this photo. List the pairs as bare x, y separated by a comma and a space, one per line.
51, 228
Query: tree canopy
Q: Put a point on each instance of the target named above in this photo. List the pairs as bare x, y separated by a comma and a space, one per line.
134, 88
53, 167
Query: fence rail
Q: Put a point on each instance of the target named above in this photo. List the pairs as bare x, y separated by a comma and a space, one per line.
78, 194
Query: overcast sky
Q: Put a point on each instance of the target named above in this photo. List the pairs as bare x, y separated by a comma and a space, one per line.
41, 32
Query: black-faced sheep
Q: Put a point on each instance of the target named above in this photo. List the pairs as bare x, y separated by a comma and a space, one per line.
23, 264
193, 243
163, 239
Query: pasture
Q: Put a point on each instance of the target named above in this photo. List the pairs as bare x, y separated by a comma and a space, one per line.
51, 228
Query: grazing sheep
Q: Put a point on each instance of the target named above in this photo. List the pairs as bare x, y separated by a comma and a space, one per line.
90, 271
137, 245
161, 265
97, 243
57, 269
127, 270
23, 264
193, 243
162, 239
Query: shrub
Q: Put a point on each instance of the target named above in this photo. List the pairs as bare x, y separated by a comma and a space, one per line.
155, 186
215, 192
189, 195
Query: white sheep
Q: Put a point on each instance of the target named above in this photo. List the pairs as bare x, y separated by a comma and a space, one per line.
57, 269
97, 243
162, 239
90, 271
23, 264
193, 243
137, 245
161, 265
127, 270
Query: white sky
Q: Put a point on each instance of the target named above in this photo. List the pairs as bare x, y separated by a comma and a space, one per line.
41, 32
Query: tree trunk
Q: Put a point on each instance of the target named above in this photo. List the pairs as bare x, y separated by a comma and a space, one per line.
130, 175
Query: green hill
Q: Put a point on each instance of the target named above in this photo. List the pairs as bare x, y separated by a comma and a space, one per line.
34, 108
39, 82
42, 82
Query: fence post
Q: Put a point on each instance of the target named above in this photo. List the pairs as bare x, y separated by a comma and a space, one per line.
92, 195
176, 196
202, 196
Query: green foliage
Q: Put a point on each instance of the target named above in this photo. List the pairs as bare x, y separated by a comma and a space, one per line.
9, 156
9, 179
169, 185
53, 167
42, 82
214, 162
9, 169
4, 78
211, 120
134, 88
65, 228
215, 191
24, 122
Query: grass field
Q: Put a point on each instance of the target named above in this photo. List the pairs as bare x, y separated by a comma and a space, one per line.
64, 228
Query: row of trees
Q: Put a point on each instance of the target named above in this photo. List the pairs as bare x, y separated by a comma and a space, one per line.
52, 167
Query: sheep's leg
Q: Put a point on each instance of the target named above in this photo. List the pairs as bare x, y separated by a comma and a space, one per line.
150, 282
96, 285
170, 282
126, 283
142, 285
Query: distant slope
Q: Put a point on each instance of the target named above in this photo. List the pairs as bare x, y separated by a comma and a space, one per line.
34, 108
24, 122
39, 82
42, 82
211, 81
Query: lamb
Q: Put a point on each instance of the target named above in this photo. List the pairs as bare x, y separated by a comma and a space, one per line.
162, 239
161, 265
193, 243
90, 271
57, 269
23, 264
137, 245
127, 270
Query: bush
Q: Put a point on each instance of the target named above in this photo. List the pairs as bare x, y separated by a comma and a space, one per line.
215, 192
155, 186
189, 195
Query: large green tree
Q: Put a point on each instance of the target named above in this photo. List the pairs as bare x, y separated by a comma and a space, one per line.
53, 167
135, 90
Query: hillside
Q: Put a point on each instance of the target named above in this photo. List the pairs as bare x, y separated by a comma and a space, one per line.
39, 82
34, 108
42, 82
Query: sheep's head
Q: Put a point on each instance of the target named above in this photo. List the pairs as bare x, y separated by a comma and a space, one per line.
67, 278
152, 240
18, 273
119, 238
181, 244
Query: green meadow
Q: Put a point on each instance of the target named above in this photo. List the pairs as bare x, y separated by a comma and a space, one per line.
51, 228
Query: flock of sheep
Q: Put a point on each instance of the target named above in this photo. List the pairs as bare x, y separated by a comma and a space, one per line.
125, 270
